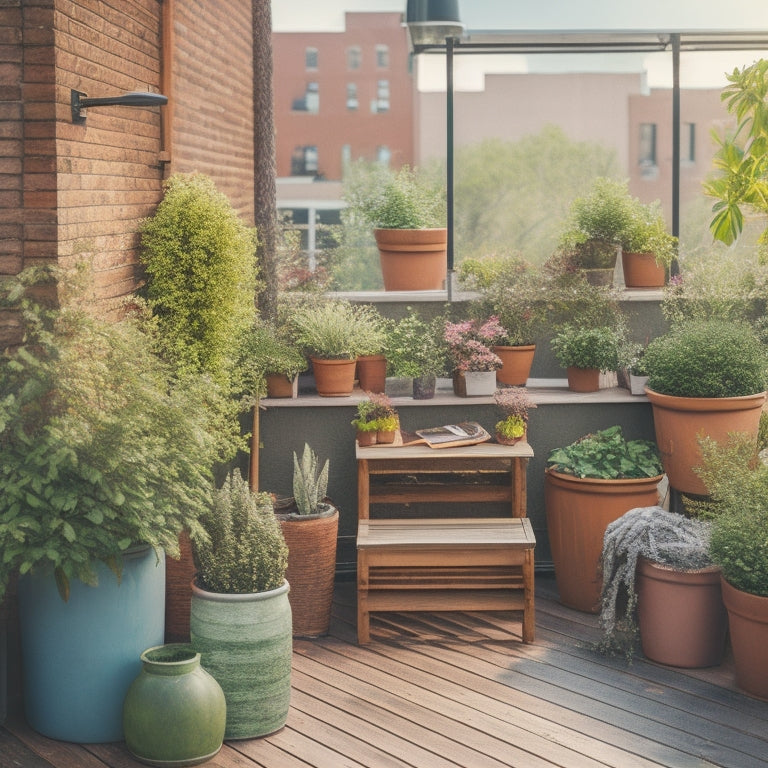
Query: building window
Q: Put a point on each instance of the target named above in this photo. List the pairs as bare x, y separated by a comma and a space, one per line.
310, 101
647, 148
382, 56
352, 102
688, 142
304, 161
381, 102
383, 155
354, 57
310, 58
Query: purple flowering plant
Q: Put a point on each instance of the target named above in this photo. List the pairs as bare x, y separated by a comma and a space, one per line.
470, 341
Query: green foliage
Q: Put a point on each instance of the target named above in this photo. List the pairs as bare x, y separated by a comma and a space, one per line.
332, 329
244, 551
371, 330
663, 537
738, 484
200, 262
646, 232
581, 347
387, 199
310, 484
512, 290
707, 358
513, 196
100, 447
376, 413
415, 346
512, 427
606, 455
742, 158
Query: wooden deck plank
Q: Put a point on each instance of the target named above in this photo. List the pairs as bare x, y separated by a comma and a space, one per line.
460, 689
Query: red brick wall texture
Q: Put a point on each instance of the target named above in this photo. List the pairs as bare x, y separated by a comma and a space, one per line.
70, 192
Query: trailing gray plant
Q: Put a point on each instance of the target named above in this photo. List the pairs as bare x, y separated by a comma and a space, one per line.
245, 551
310, 485
663, 537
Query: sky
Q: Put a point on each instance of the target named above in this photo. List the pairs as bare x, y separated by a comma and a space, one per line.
697, 70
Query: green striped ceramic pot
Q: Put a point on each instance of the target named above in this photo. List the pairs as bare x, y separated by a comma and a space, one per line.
246, 643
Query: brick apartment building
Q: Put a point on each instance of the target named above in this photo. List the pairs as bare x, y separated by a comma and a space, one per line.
79, 191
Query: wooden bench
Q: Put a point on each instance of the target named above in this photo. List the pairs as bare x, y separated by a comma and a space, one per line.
444, 563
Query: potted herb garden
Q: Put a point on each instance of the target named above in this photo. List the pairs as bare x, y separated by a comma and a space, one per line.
586, 351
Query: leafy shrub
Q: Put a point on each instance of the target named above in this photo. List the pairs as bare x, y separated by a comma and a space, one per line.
329, 329
245, 551
587, 347
606, 455
707, 358
415, 346
200, 262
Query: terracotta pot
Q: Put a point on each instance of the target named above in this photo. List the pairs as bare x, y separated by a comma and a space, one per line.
748, 621
386, 437
365, 439
509, 440
516, 364
578, 511
280, 385
641, 270
311, 541
678, 421
681, 615
334, 378
412, 259
583, 379
372, 372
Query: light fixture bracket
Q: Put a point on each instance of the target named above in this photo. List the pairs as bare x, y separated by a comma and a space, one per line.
79, 101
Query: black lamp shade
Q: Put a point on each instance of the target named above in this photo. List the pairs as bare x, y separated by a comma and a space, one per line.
430, 22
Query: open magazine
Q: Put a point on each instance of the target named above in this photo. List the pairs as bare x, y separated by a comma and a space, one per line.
451, 435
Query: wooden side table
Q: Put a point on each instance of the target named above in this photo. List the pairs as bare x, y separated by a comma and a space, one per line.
444, 563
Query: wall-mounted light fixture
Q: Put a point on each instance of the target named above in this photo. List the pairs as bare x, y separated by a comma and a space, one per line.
430, 22
133, 99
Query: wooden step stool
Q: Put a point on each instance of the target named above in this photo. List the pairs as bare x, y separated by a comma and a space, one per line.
463, 564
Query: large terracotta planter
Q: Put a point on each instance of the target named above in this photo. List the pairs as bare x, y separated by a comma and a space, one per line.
281, 386
516, 364
641, 270
578, 511
412, 259
372, 372
678, 422
334, 378
681, 615
311, 541
583, 379
748, 621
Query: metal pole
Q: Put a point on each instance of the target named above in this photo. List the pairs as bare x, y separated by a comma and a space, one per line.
674, 268
449, 42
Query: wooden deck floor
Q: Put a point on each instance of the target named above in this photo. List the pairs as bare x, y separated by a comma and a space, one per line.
461, 690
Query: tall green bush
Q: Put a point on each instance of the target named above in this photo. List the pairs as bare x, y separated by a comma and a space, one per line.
201, 268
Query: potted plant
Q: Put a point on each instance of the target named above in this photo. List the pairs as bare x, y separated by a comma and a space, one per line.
587, 485
517, 293
371, 360
469, 350
584, 352
703, 376
310, 525
407, 212
647, 249
738, 484
104, 458
328, 332
514, 404
659, 582
377, 420
240, 619
594, 228
275, 358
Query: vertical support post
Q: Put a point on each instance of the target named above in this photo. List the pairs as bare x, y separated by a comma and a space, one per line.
449, 43
674, 269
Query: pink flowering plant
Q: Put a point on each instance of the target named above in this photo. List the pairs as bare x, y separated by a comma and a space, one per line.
469, 344
514, 404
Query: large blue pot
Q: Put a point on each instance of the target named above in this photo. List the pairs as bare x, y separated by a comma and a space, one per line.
80, 657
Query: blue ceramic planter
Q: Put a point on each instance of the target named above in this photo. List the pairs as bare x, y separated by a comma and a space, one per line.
80, 657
